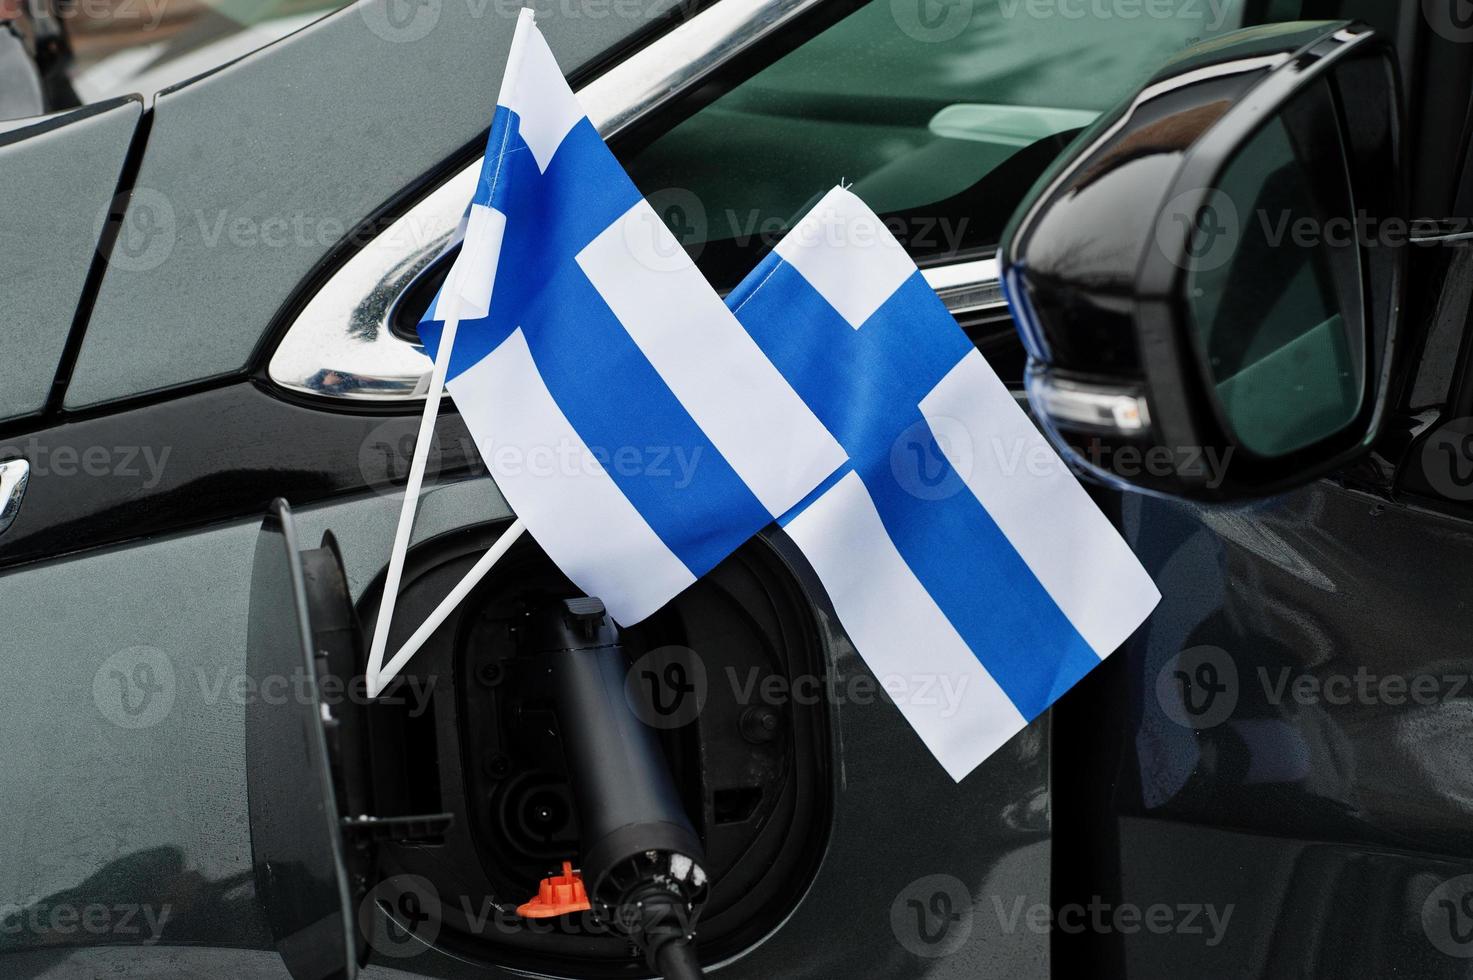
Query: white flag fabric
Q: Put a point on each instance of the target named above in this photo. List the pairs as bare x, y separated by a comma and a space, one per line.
629, 420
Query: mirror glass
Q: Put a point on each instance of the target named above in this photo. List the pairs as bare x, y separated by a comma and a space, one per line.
1273, 287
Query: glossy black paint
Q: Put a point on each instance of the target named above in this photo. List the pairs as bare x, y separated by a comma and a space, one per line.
1078, 241
1098, 262
1324, 808
216, 454
297, 848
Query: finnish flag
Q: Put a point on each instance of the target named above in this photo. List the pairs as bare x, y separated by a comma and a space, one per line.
968, 566
631, 423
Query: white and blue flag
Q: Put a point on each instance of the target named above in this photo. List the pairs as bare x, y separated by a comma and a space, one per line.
968, 566
631, 423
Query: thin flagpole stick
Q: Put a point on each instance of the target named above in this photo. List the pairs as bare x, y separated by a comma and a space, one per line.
380, 640
447, 605
411, 501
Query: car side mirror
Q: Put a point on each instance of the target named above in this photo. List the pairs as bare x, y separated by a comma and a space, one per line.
1208, 282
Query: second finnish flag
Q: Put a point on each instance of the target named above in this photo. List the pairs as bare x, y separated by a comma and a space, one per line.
955, 545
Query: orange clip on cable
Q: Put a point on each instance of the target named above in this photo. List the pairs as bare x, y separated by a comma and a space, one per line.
557, 895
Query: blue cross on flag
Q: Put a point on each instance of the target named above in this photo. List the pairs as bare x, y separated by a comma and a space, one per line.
832, 391
970, 569
591, 356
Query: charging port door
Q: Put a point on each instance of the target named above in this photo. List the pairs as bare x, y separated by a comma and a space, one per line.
298, 849
315, 824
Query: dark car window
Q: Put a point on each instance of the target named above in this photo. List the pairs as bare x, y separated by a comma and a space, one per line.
941, 115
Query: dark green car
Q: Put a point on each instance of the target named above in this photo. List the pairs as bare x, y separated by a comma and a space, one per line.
223, 221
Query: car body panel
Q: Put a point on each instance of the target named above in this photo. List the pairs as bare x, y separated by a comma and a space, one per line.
170, 767
253, 173
1324, 825
1313, 780
1321, 599
61, 172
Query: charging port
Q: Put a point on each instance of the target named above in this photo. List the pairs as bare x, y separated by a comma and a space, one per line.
749, 768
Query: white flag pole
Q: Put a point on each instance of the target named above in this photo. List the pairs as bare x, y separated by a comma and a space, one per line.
447, 605
411, 501
376, 675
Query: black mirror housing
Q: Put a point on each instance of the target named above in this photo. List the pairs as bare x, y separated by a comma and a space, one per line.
1208, 281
